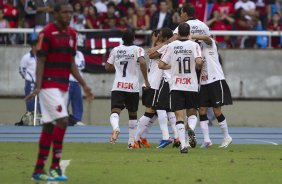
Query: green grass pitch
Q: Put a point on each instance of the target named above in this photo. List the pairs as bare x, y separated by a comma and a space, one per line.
98, 163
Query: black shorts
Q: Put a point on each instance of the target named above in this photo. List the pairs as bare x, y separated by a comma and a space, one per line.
184, 100
122, 99
215, 94
149, 97
164, 96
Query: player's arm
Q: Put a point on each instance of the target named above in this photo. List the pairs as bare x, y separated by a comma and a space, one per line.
109, 67
143, 68
199, 63
162, 65
205, 38
87, 90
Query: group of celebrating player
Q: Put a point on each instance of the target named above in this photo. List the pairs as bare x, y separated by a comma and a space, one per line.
184, 76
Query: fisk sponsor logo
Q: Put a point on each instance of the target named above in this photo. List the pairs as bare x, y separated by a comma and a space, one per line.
183, 81
125, 85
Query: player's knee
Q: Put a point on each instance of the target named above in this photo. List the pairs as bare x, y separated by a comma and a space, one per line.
220, 118
149, 115
132, 116
203, 110
204, 117
191, 112
217, 111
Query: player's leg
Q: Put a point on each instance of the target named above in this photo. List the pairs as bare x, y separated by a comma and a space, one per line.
192, 118
227, 140
117, 104
45, 141
172, 122
204, 127
76, 102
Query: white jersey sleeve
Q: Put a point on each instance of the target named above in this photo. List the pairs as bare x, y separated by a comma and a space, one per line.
166, 54
197, 27
111, 58
141, 52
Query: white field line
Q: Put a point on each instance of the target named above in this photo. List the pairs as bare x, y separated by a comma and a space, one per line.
258, 140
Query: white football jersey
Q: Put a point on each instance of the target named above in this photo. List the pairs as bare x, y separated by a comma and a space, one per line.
154, 74
211, 70
181, 55
197, 27
166, 73
28, 67
125, 60
80, 63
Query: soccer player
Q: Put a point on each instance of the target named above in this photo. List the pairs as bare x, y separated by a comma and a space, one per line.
150, 97
182, 57
27, 71
214, 91
124, 60
55, 61
75, 95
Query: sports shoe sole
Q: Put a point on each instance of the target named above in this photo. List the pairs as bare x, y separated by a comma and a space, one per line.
192, 138
114, 136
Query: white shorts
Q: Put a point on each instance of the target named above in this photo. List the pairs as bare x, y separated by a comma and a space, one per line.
53, 104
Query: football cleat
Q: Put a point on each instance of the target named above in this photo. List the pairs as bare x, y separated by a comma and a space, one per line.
136, 145
192, 138
114, 136
42, 177
129, 146
176, 143
56, 173
206, 145
145, 142
184, 150
164, 143
226, 142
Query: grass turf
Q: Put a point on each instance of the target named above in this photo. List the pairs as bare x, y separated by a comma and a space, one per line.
105, 164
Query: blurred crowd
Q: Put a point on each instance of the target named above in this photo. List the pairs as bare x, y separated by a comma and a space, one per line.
149, 15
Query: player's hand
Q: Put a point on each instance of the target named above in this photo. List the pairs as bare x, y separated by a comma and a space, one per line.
151, 51
88, 93
147, 85
32, 95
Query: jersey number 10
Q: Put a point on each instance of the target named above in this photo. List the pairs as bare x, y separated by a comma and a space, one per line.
185, 64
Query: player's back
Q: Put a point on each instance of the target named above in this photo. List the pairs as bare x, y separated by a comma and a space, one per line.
198, 27
125, 60
183, 54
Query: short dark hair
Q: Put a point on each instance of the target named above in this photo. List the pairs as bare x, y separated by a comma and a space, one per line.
155, 32
58, 6
166, 32
189, 9
184, 29
128, 37
111, 4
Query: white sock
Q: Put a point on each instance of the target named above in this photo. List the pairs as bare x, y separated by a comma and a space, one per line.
132, 125
114, 119
141, 127
224, 128
162, 116
192, 121
205, 130
181, 132
148, 127
172, 121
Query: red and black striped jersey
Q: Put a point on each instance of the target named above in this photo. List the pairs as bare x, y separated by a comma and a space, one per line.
59, 48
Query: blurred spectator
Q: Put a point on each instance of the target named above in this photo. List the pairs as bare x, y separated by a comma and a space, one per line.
30, 11
141, 21
101, 6
275, 25
201, 7
92, 20
78, 19
222, 19
11, 14
249, 8
123, 5
3, 24
129, 17
263, 7
244, 24
44, 12
104, 18
152, 9
123, 24
161, 18
148, 4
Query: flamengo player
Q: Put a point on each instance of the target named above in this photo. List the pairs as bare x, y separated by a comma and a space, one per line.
182, 57
56, 51
124, 59
214, 91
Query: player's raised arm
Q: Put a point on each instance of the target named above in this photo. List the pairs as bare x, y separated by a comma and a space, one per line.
205, 38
